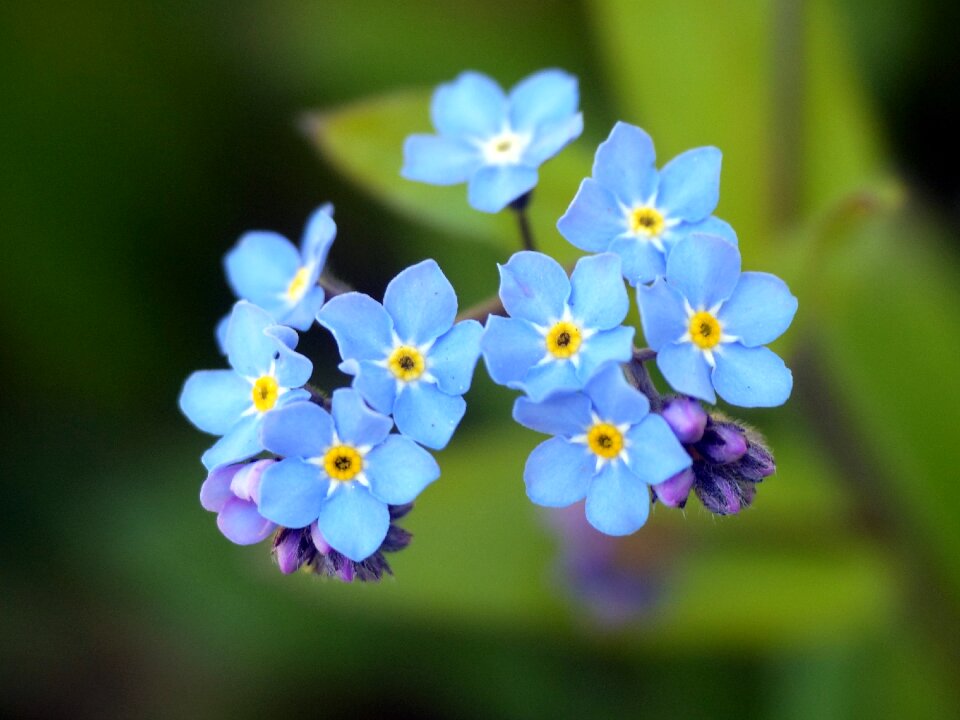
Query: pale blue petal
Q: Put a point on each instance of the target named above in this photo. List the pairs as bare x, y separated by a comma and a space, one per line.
751, 377
354, 522
642, 261
686, 369
550, 377
249, 349
705, 270
608, 346
213, 400
662, 314
624, 164
598, 298
421, 302
300, 429
215, 491
454, 356
473, 105
593, 219
760, 309
510, 348
292, 369
221, 333
398, 470
493, 187
653, 451
534, 287
546, 96
240, 523
292, 493
362, 328
302, 315
618, 502
426, 414
318, 236
439, 160
356, 423
375, 383
565, 413
260, 267
690, 184
551, 138
241, 442
288, 336
558, 472
710, 226
616, 401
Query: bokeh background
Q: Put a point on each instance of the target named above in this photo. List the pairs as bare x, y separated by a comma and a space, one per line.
139, 139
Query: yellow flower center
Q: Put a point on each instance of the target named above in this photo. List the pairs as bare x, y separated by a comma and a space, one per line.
406, 363
342, 463
647, 221
704, 330
564, 339
605, 440
265, 391
298, 286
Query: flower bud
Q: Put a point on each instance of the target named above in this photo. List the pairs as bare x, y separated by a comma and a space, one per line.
758, 463
286, 548
722, 443
673, 492
721, 491
246, 483
686, 418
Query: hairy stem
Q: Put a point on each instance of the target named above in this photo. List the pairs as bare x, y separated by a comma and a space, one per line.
640, 377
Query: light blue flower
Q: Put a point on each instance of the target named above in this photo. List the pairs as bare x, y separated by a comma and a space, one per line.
494, 142
560, 330
608, 449
232, 403
630, 208
407, 357
341, 470
709, 323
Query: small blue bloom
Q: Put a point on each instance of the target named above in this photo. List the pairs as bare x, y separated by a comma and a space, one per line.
709, 323
407, 357
560, 329
494, 142
629, 208
341, 470
232, 403
233, 491
608, 448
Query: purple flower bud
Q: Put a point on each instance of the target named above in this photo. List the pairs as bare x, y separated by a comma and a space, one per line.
686, 418
346, 570
286, 548
673, 492
720, 491
758, 463
246, 483
722, 443
319, 542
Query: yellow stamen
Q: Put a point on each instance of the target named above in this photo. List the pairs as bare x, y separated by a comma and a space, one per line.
564, 339
298, 286
605, 440
646, 221
705, 330
342, 463
406, 363
265, 391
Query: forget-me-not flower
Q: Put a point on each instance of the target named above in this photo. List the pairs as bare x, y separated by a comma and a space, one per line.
265, 376
709, 323
493, 141
341, 470
560, 329
407, 357
630, 208
608, 448
233, 491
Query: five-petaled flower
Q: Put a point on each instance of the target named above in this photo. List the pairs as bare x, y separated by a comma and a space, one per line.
407, 356
232, 403
233, 491
608, 448
630, 208
493, 141
709, 323
560, 329
340, 470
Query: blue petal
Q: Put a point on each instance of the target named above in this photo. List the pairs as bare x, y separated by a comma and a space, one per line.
565, 413
398, 470
215, 491
288, 336
751, 377
221, 333
546, 96
686, 369
510, 348
375, 383
493, 187
624, 164
356, 423
354, 522
616, 400
300, 429
240, 443
550, 377
760, 309
421, 302
642, 261
213, 400
593, 219
424, 413
292, 369
654, 453
534, 287
618, 502
249, 349
558, 472
598, 298
302, 315
292, 493
690, 184
710, 226
662, 314
240, 523
454, 356
439, 160
551, 138
704, 269
606, 346
260, 267
362, 328
473, 106
318, 236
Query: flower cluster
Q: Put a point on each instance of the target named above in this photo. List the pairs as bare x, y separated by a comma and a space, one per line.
327, 474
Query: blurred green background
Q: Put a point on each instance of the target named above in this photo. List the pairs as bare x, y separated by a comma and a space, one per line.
139, 139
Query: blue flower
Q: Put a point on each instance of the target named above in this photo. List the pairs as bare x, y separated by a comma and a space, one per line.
709, 323
629, 208
233, 403
493, 141
608, 448
341, 469
407, 357
560, 330
233, 491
